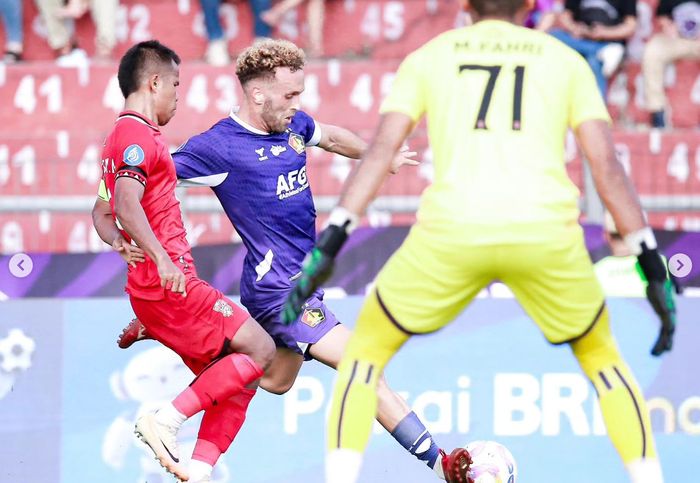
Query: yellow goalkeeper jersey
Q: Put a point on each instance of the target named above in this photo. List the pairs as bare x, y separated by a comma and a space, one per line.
498, 100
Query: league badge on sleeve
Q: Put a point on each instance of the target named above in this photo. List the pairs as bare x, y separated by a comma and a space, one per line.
296, 142
134, 155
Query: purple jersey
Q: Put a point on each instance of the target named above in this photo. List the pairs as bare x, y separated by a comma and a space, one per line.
260, 180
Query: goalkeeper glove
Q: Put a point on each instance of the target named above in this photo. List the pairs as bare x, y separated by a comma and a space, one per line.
652, 269
317, 266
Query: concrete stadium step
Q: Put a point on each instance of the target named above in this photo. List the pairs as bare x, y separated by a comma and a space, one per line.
48, 186
67, 164
39, 97
73, 232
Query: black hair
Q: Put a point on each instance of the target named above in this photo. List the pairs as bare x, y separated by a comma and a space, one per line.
496, 7
135, 62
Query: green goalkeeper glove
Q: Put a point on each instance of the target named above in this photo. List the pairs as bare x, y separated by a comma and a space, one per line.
317, 266
652, 269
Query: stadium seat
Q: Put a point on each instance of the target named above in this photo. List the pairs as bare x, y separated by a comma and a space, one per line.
54, 119
385, 28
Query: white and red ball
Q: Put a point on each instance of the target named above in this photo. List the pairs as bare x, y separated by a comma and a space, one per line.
491, 463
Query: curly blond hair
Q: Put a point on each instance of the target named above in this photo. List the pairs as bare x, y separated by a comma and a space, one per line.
263, 57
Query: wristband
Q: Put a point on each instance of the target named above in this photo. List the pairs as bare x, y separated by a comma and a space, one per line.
641, 240
343, 218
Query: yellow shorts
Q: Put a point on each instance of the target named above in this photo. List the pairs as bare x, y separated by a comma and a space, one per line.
434, 274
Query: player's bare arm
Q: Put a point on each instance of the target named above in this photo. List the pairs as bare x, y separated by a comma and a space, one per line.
109, 233
336, 139
611, 181
128, 210
103, 221
620, 198
339, 140
363, 184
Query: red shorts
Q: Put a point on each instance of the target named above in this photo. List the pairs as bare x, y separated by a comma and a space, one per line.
196, 327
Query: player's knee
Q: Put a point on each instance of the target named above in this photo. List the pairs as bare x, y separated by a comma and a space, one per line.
274, 386
262, 351
266, 352
597, 347
593, 357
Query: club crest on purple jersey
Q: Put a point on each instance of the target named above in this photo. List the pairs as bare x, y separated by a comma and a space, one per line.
296, 142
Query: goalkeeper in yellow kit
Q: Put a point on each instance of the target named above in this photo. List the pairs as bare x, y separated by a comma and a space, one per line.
498, 100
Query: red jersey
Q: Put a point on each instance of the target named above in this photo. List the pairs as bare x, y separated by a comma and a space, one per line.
135, 148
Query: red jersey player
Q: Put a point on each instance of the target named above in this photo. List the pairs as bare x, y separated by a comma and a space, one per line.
218, 340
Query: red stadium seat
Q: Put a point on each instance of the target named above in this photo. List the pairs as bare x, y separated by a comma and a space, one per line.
53, 120
385, 28
626, 97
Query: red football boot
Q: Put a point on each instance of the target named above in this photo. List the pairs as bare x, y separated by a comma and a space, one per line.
133, 332
456, 465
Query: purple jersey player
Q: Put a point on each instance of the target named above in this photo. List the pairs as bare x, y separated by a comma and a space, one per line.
255, 162
260, 179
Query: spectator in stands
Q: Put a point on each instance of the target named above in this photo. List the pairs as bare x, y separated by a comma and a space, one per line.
217, 51
74, 9
679, 39
315, 13
543, 15
11, 11
104, 14
598, 30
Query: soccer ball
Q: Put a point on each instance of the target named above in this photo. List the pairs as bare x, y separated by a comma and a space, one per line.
491, 463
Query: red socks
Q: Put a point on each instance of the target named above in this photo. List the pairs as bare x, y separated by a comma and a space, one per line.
220, 425
218, 383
